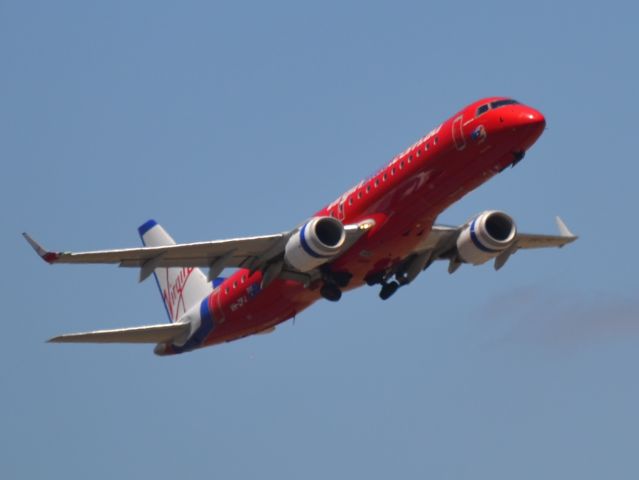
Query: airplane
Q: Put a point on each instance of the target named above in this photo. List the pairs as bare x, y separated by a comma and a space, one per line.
380, 232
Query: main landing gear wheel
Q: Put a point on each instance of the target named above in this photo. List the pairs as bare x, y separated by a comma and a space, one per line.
388, 289
331, 292
341, 279
375, 278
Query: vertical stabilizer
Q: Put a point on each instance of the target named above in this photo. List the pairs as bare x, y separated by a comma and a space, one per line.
181, 288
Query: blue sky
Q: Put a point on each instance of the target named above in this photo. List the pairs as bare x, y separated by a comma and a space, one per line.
240, 118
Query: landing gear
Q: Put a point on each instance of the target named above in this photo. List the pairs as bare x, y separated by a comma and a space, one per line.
331, 292
341, 279
334, 282
375, 278
518, 157
382, 278
388, 289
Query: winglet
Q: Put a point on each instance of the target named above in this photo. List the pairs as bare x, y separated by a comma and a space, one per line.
563, 229
49, 257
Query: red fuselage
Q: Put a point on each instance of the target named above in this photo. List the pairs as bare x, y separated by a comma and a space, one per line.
403, 199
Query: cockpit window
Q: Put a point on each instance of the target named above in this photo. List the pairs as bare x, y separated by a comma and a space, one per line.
496, 104
503, 103
482, 109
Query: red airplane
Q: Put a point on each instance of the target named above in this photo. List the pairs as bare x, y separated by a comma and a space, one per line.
380, 232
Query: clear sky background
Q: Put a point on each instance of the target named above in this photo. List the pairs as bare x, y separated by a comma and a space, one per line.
238, 118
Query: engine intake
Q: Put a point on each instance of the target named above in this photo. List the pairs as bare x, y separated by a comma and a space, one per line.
485, 237
318, 241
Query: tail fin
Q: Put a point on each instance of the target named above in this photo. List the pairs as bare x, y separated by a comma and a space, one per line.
180, 288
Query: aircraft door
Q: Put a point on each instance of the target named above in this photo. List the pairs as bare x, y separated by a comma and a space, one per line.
340, 209
458, 133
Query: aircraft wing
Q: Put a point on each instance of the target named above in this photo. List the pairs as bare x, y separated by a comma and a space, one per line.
441, 234
247, 252
236, 252
440, 243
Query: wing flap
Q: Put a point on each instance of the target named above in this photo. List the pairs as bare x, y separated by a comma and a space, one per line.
148, 334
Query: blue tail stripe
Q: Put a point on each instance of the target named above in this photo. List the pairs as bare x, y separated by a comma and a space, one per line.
145, 227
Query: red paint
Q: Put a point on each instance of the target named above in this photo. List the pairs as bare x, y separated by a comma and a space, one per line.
50, 257
404, 198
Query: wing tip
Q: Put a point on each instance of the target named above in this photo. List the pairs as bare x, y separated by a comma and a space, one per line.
564, 231
49, 257
64, 338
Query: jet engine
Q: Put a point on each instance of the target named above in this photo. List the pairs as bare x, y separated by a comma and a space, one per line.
319, 240
485, 237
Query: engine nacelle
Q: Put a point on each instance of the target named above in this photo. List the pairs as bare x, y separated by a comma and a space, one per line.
485, 237
319, 240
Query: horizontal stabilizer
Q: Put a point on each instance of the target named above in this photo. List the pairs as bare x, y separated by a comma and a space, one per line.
148, 334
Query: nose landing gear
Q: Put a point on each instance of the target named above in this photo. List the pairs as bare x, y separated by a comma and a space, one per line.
518, 157
388, 289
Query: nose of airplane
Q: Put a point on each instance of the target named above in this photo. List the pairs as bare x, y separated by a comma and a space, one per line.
531, 123
532, 118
